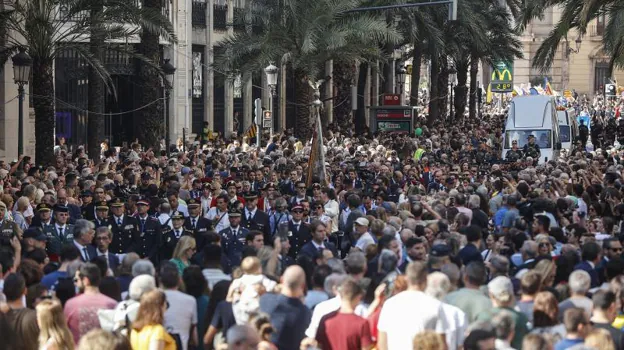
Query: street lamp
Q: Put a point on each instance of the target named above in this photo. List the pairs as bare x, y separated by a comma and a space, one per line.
271, 73
169, 70
21, 73
577, 44
400, 76
452, 76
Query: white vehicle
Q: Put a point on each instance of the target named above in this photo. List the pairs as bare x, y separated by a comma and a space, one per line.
568, 128
533, 115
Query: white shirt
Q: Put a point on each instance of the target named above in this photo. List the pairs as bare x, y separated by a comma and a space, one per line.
224, 221
249, 214
332, 209
426, 313
458, 322
58, 229
165, 218
364, 241
181, 315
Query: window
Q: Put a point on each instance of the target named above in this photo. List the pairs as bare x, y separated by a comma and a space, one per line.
601, 74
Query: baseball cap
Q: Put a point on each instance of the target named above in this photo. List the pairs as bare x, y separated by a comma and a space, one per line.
440, 250
362, 221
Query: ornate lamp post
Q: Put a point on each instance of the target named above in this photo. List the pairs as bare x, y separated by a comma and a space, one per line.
21, 74
169, 71
271, 72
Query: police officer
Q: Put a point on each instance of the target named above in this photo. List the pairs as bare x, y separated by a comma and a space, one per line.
514, 154
233, 240
172, 236
196, 223
610, 132
101, 214
124, 228
531, 149
584, 133
298, 231
43, 219
596, 132
148, 242
87, 209
60, 233
254, 218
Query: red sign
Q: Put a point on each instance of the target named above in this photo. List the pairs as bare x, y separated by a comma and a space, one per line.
391, 100
394, 114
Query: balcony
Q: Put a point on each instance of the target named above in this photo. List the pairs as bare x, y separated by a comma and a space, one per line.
66, 14
596, 31
220, 17
199, 14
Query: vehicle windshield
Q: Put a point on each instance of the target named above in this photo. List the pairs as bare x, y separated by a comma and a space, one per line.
543, 138
564, 133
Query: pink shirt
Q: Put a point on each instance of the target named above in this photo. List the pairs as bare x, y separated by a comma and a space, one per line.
81, 312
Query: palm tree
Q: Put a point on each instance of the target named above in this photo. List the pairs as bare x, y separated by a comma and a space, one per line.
577, 14
304, 35
46, 28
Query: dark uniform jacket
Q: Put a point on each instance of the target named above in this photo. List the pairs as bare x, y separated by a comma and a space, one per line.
101, 223
259, 222
201, 228
232, 246
170, 240
57, 239
149, 240
124, 235
298, 237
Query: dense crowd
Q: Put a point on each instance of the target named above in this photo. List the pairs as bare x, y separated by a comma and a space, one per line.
425, 241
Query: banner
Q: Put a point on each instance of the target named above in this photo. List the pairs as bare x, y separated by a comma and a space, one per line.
316, 163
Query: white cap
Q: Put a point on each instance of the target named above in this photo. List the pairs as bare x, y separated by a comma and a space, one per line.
362, 221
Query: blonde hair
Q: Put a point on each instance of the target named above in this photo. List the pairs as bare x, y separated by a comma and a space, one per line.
429, 340
52, 325
98, 339
251, 265
185, 243
600, 339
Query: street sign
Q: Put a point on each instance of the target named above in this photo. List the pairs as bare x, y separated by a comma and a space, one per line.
392, 118
391, 100
395, 126
567, 93
502, 77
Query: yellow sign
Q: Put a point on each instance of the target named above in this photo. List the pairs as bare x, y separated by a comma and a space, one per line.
567, 93
408, 68
502, 78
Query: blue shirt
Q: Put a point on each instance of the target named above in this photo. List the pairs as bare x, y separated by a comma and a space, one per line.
289, 317
498, 217
49, 280
567, 343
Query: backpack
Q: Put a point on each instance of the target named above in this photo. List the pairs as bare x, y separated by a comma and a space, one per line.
120, 318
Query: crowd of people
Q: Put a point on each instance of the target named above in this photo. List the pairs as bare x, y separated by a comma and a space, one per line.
427, 241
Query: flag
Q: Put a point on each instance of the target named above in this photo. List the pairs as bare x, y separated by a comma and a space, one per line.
250, 134
547, 88
316, 163
488, 95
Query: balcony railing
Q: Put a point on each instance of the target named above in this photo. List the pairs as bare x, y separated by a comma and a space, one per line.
220, 17
596, 30
64, 12
199, 14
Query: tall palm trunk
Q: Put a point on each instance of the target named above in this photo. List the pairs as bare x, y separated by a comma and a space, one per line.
151, 117
443, 87
434, 93
344, 72
95, 122
360, 116
303, 97
474, 70
461, 90
415, 82
43, 103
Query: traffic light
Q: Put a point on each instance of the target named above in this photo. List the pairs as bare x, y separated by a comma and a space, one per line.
258, 111
267, 120
610, 90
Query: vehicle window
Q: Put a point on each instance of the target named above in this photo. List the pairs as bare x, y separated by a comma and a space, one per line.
543, 138
564, 133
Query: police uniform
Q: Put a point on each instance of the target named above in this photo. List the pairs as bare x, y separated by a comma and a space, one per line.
259, 220
298, 235
233, 242
532, 150
8, 229
97, 222
58, 235
170, 237
198, 225
148, 242
36, 221
125, 231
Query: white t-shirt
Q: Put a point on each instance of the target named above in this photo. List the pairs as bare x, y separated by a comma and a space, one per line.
426, 313
181, 315
364, 241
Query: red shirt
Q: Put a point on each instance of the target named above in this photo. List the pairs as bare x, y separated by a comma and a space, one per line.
339, 331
